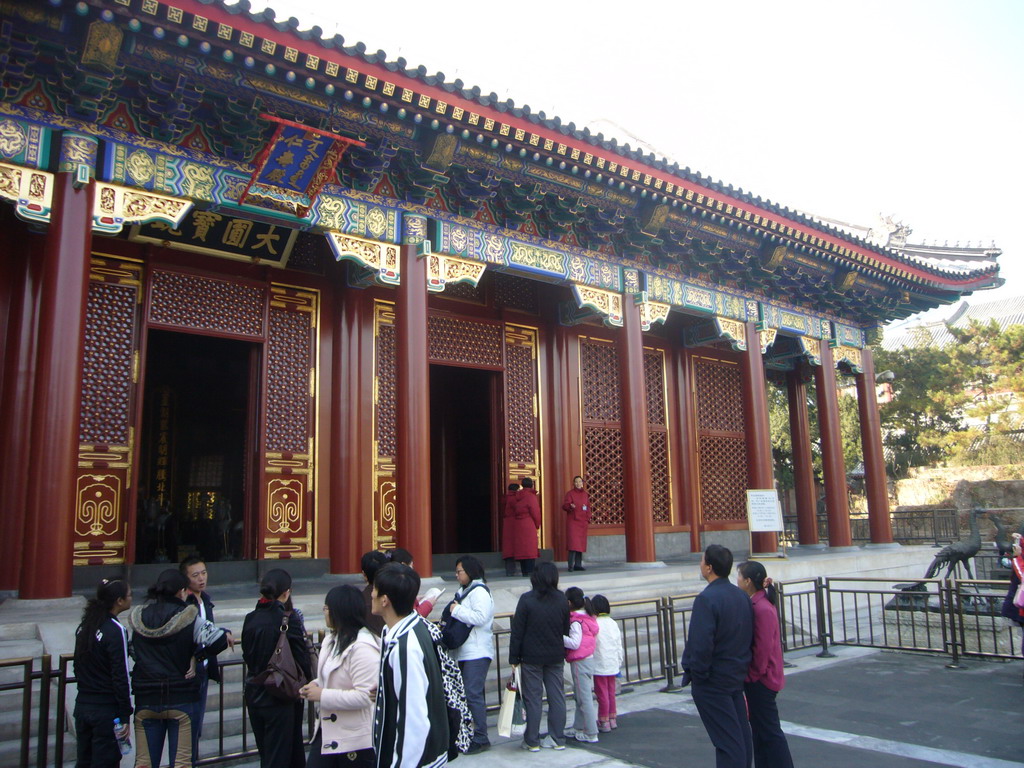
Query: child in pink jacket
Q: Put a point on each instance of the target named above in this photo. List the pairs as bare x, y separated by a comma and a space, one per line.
579, 652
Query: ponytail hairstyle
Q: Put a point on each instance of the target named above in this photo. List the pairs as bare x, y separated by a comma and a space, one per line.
168, 585
758, 576
577, 600
346, 615
399, 555
275, 583
98, 610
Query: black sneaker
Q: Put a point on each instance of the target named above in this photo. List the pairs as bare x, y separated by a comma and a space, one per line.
476, 748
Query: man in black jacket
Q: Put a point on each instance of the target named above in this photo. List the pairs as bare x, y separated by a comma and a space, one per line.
717, 656
410, 724
194, 569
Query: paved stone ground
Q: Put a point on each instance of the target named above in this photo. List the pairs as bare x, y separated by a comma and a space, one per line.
861, 709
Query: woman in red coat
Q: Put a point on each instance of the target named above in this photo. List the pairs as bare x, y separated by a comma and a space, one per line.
508, 517
577, 505
527, 522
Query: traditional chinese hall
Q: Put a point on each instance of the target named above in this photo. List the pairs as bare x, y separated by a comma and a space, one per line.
265, 295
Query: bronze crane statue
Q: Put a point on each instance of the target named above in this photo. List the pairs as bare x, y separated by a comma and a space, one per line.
958, 552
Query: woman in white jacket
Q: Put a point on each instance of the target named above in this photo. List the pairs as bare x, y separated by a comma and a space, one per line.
473, 605
345, 685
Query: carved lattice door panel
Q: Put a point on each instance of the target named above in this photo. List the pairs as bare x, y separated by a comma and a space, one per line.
601, 405
107, 430
522, 403
721, 441
658, 438
286, 528
385, 431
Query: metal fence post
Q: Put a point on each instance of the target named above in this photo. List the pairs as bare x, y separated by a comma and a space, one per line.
43, 735
60, 717
666, 633
951, 624
819, 599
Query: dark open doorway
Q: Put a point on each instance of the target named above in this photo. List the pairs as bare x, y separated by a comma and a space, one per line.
194, 480
462, 451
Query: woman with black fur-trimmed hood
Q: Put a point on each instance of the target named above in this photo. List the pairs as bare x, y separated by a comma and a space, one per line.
168, 634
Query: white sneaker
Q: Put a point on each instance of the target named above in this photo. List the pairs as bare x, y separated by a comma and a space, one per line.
586, 737
549, 743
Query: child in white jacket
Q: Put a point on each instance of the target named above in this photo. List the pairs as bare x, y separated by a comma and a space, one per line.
609, 656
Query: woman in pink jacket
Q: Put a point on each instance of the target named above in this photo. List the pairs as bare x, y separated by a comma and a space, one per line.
764, 678
345, 685
577, 507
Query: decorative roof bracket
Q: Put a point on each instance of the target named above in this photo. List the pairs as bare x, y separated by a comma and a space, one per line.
114, 206
30, 190
608, 304
380, 258
442, 270
718, 329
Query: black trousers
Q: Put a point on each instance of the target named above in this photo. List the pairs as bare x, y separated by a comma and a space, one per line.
94, 730
361, 758
527, 566
724, 714
575, 559
771, 750
278, 734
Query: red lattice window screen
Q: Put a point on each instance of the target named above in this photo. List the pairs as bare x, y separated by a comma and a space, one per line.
602, 433
721, 440
602, 459
657, 429
454, 340
599, 381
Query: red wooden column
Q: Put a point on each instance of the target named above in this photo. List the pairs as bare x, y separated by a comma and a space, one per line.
636, 449
351, 412
16, 404
833, 467
871, 445
803, 467
563, 461
53, 453
760, 472
412, 417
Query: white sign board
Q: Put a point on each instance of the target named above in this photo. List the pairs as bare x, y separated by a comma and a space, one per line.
764, 513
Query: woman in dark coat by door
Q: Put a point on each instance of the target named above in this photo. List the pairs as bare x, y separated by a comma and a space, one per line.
276, 724
527, 523
577, 519
508, 524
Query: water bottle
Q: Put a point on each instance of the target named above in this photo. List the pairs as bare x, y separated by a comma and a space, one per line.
124, 742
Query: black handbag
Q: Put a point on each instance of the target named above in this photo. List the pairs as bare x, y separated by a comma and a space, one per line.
454, 632
282, 678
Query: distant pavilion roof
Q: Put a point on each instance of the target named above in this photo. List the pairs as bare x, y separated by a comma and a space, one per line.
1005, 312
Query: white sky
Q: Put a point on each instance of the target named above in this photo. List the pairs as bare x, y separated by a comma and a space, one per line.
846, 110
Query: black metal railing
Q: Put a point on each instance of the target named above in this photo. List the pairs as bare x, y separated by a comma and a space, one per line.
958, 618
909, 526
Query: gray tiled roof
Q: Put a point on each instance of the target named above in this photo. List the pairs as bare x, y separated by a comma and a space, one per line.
1005, 312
